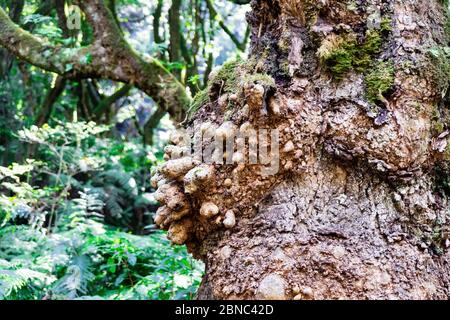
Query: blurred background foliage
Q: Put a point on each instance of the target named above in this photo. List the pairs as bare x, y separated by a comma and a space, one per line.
76, 206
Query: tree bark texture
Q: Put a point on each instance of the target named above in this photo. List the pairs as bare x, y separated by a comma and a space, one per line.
358, 92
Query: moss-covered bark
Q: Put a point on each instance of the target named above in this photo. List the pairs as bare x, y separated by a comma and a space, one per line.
108, 56
355, 210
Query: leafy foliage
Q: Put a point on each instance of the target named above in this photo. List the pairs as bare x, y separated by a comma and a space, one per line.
93, 261
58, 241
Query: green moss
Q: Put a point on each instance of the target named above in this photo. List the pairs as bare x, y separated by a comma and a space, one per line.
439, 65
224, 81
284, 45
227, 76
349, 54
372, 43
284, 66
311, 9
363, 55
379, 80
386, 25
339, 62
406, 65
230, 78
417, 106
447, 23
437, 125
352, 6
447, 150
200, 99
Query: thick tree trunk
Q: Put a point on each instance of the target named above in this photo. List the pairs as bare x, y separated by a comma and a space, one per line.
357, 91
335, 232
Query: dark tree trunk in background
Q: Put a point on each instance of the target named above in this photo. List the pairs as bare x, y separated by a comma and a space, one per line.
356, 210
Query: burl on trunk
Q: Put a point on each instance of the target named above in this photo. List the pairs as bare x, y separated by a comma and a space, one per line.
357, 94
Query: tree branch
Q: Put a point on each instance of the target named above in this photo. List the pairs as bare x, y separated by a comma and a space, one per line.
37, 51
62, 19
151, 124
215, 16
156, 22
175, 35
109, 56
6, 58
125, 65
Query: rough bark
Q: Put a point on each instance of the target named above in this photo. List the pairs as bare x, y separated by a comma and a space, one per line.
357, 91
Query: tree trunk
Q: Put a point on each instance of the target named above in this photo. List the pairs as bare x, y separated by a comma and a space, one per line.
357, 92
336, 232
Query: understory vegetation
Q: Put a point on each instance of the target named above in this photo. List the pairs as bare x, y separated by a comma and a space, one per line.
67, 220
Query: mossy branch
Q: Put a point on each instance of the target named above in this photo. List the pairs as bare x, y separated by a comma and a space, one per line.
109, 56
37, 51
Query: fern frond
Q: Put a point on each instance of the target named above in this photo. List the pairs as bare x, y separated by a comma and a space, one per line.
75, 282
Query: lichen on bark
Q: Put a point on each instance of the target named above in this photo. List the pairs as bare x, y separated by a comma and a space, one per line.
109, 56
